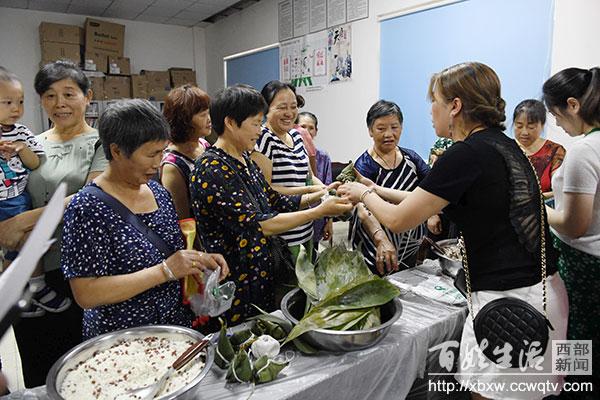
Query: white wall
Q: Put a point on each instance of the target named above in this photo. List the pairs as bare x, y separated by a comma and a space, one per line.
148, 45
342, 107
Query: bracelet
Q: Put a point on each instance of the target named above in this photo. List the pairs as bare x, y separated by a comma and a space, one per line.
167, 271
376, 231
366, 192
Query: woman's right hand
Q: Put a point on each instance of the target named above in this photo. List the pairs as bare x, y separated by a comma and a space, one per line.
189, 262
334, 206
316, 188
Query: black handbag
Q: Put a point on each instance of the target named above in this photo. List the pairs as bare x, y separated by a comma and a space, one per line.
509, 320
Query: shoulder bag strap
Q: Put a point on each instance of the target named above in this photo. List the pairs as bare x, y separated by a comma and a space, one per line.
130, 218
465, 262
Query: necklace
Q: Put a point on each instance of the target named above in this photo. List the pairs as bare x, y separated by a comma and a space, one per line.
383, 159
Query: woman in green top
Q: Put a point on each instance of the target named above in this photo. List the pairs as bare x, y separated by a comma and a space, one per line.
73, 156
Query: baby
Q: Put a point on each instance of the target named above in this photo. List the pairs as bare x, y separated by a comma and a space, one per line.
19, 154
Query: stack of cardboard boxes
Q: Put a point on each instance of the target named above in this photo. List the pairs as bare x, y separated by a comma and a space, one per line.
60, 42
104, 61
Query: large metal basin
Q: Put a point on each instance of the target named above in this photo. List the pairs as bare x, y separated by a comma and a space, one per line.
84, 351
292, 307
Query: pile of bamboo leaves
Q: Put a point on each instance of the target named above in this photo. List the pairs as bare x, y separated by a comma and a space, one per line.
342, 293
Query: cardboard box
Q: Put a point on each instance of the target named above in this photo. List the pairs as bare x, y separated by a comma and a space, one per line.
119, 66
52, 51
159, 84
104, 37
139, 87
97, 87
181, 76
117, 87
157, 94
61, 33
97, 59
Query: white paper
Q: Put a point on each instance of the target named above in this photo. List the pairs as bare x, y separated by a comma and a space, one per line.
357, 9
317, 15
14, 279
336, 12
300, 17
286, 27
339, 53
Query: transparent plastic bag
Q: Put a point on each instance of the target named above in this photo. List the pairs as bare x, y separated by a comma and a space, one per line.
215, 299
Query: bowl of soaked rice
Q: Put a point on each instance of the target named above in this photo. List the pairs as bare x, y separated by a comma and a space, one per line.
108, 366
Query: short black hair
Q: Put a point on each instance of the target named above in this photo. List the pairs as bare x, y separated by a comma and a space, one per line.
383, 108
130, 124
534, 111
57, 71
238, 102
309, 115
7, 76
270, 90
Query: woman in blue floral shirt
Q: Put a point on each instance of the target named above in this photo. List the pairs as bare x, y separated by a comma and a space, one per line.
119, 277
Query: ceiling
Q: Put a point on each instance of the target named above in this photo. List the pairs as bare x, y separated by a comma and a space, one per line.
171, 12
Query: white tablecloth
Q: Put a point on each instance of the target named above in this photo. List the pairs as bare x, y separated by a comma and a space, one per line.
385, 371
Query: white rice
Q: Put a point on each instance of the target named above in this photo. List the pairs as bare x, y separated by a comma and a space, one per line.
129, 364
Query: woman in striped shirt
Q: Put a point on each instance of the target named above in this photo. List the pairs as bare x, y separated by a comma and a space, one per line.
391, 166
282, 158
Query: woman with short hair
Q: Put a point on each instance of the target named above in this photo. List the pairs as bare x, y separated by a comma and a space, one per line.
237, 212
120, 275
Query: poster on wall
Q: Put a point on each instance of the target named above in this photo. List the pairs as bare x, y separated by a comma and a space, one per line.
303, 61
317, 15
357, 9
300, 17
339, 53
285, 20
336, 12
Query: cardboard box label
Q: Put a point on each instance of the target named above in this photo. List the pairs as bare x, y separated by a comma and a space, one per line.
104, 37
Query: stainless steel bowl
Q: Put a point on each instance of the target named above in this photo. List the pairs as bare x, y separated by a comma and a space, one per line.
85, 350
450, 266
292, 307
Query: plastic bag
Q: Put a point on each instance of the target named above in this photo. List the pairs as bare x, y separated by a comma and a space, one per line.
215, 299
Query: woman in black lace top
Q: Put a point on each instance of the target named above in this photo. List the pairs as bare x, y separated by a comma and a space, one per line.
485, 184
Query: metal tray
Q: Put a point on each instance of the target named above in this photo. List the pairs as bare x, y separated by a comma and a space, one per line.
85, 350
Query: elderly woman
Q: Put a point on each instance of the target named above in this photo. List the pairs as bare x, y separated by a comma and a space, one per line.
237, 211
389, 166
545, 155
281, 155
573, 97
499, 215
120, 275
73, 156
186, 111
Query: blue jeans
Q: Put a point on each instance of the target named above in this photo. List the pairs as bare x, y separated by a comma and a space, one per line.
11, 207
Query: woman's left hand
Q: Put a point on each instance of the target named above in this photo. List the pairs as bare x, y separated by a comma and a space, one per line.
352, 191
212, 261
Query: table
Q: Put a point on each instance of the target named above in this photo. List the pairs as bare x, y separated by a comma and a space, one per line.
385, 371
